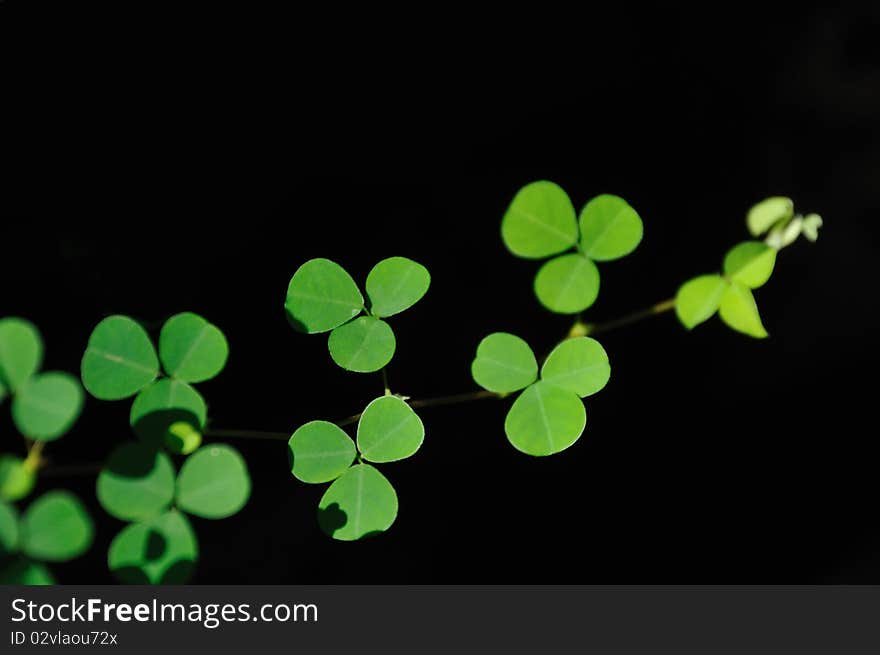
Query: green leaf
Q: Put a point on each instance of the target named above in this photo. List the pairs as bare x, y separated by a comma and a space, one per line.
750, 263
320, 451
363, 345
191, 349
3, 392
322, 296
16, 478
768, 213
545, 419
539, 222
161, 405
8, 529
21, 571
610, 228
739, 311
56, 528
47, 406
120, 359
160, 550
697, 300
577, 365
567, 284
213, 483
810, 226
395, 284
21, 352
182, 438
389, 430
504, 363
359, 503
137, 482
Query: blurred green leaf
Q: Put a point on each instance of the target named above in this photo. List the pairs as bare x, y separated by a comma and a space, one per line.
359, 503
539, 222
16, 478
363, 345
750, 263
768, 213
137, 482
610, 228
213, 482
504, 363
191, 349
320, 451
545, 419
21, 352
389, 430
395, 284
159, 550
8, 529
162, 404
577, 365
47, 406
739, 311
56, 527
697, 300
567, 284
120, 359
21, 571
322, 296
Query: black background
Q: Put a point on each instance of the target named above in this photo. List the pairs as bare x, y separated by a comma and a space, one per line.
161, 164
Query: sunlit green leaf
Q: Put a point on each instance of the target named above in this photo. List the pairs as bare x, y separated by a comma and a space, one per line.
21, 352
750, 263
539, 222
213, 482
359, 503
567, 284
137, 482
697, 300
545, 419
160, 550
191, 349
56, 527
739, 311
120, 359
320, 451
577, 365
610, 228
395, 284
16, 478
363, 345
21, 571
47, 406
768, 213
8, 529
504, 363
389, 430
162, 404
322, 296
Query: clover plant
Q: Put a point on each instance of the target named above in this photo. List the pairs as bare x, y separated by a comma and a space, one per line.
156, 481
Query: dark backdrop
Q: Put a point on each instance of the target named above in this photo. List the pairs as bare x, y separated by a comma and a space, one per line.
151, 171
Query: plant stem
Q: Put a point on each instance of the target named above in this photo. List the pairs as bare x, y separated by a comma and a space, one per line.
70, 471
433, 402
655, 309
246, 434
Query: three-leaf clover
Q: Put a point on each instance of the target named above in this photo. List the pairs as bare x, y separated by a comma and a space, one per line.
121, 361
549, 415
360, 501
323, 297
139, 482
541, 222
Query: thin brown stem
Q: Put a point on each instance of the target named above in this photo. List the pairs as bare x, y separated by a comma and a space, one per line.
635, 317
247, 434
70, 471
453, 399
